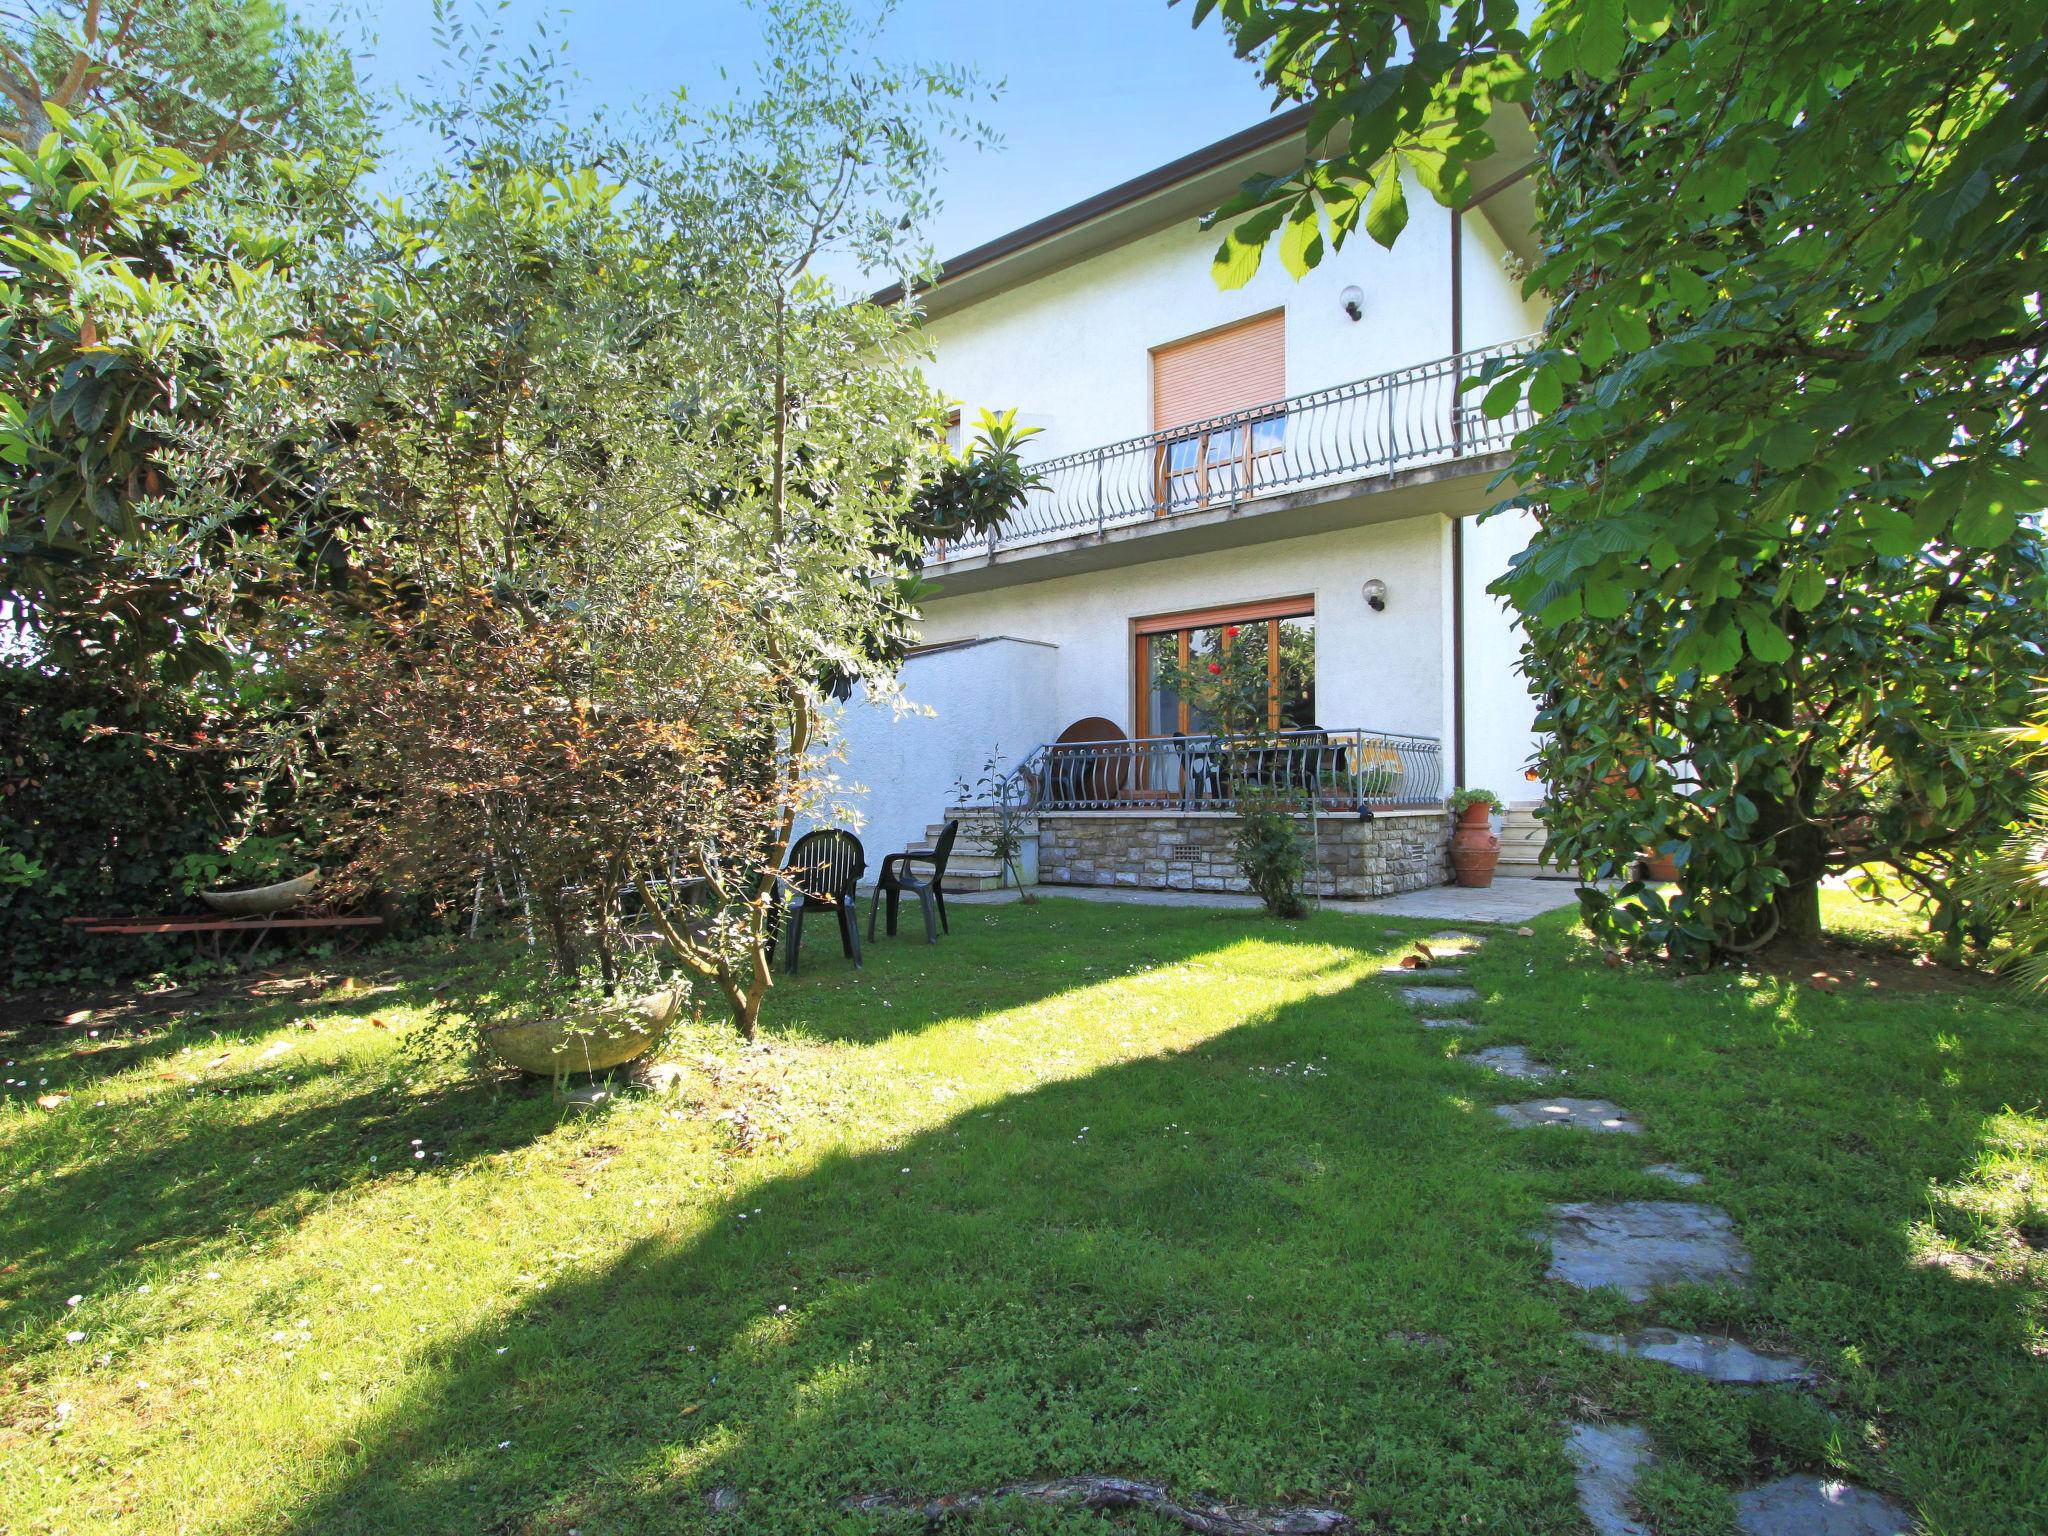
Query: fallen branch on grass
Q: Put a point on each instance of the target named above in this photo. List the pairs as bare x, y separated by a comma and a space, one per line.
1097, 1492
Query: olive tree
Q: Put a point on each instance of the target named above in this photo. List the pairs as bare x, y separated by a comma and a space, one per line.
601, 388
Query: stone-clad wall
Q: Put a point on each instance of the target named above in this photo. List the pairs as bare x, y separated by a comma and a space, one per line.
1396, 851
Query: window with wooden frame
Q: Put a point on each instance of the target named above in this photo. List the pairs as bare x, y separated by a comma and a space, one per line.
1282, 630
1222, 373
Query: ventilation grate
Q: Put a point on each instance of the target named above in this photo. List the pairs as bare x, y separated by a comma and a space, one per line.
1184, 853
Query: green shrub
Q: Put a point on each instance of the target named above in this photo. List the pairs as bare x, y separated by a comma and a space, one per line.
104, 793
1271, 851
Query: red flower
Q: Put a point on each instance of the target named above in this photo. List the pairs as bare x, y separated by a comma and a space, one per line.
1230, 633
1214, 669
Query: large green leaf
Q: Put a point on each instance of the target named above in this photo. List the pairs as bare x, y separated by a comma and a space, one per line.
1387, 213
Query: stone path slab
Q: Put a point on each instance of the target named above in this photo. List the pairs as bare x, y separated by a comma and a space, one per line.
1436, 997
1712, 1355
1638, 1245
1425, 974
1812, 1506
1671, 1173
1513, 1061
1607, 1460
1595, 1115
1441, 1021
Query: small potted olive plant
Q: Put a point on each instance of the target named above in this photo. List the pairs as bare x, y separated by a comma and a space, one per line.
1474, 849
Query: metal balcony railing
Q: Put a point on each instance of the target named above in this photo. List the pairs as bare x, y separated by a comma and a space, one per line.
1394, 421
1323, 770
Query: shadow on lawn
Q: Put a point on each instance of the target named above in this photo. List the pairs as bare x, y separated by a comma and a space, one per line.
1207, 1268
127, 1193
1283, 1265
138, 1195
131, 1206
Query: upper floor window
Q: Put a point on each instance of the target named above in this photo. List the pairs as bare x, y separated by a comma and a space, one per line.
1223, 373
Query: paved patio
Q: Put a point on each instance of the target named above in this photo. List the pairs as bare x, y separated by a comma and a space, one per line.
1505, 901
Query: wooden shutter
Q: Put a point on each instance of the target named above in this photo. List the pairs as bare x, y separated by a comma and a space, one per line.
1234, 369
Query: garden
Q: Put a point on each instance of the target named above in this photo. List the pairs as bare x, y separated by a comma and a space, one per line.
443, 567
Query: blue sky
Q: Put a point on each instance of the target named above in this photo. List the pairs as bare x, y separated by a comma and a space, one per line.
1097, 90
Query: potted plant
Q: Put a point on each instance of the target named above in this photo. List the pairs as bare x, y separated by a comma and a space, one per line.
1475, 851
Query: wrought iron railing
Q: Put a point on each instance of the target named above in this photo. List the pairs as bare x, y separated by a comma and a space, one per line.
1393, 421
1323, 770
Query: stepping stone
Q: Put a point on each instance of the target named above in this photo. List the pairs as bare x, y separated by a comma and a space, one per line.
1432, 997
1438, 1021
1712, 1355
1424, 974
1607, 1459
1671, 1173
1812, 1506
1513, 1061
1638, 1245
1596, 1115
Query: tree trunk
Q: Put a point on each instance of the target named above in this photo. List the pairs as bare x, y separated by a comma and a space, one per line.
1797, 912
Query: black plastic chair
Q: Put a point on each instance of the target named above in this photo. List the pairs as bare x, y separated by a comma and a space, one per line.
897, 879
823, 875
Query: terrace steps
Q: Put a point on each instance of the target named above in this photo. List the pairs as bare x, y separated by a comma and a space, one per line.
965, 872
1521, 844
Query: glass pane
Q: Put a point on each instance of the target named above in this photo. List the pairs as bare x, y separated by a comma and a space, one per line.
1181, 476
1205, 653
1224, 446
1297, 673
1269, 442
1162, 704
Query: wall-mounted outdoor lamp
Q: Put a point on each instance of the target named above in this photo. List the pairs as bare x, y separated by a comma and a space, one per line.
1376, 595
1353, 300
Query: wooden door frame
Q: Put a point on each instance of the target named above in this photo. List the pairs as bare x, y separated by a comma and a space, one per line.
1141, 629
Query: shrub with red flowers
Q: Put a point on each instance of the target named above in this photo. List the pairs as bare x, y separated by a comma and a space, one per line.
1225, 682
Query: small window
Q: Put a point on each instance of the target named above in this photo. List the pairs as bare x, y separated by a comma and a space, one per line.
1215, 385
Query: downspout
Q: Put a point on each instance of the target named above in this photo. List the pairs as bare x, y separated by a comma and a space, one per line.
1457, 523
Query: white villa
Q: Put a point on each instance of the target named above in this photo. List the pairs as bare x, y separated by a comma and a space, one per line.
1287, 463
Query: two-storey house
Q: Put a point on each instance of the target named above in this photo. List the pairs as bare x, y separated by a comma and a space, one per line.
1286, 466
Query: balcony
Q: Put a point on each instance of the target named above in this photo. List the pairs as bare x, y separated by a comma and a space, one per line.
1384, 426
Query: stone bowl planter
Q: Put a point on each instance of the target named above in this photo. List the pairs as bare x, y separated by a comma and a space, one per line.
262, 900
594, 1041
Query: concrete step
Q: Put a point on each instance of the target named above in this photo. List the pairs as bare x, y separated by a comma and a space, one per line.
959, 884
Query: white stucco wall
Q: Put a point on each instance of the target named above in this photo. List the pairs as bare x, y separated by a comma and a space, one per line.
1382, 671
1499, 711
1071, 350
898, 771
1494, 307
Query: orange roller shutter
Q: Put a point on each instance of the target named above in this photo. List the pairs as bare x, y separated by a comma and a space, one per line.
1234, 369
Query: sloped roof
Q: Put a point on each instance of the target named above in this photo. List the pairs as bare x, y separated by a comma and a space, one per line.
1185, 189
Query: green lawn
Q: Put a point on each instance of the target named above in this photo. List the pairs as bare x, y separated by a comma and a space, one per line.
1177, 1194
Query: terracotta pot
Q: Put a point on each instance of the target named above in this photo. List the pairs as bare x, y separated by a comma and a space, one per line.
1660, 866
1477, 814
1474, 850
590, 1042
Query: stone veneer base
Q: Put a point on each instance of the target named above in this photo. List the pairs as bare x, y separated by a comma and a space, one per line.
1165, 851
